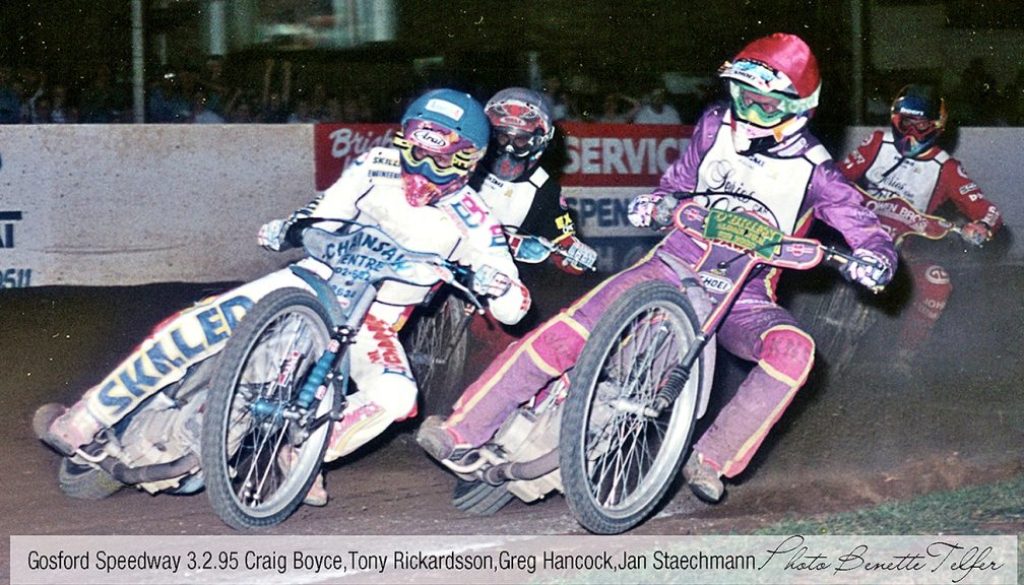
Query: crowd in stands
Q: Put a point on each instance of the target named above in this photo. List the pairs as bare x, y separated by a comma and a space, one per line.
204, 95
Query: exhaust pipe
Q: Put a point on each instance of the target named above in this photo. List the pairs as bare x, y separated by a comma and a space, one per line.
522, 470
145, 474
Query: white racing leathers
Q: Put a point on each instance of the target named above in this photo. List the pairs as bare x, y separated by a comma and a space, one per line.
370, 191
458, 227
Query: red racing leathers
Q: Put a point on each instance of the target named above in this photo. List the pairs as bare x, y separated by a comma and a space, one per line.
926, 181
792, 183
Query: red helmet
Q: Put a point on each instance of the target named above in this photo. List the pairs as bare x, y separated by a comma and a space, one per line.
774, 83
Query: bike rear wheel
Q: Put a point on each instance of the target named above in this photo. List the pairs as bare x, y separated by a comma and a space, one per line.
837, 321
617, 461
480, 498
259, 458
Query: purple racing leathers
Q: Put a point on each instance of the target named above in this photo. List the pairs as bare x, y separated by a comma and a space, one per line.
788, 185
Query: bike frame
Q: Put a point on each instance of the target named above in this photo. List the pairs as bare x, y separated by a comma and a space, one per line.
361, 258
735, 246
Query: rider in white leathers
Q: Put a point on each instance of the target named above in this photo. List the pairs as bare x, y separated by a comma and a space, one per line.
417, 193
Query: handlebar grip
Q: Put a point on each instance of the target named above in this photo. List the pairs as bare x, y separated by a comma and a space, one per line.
841, 259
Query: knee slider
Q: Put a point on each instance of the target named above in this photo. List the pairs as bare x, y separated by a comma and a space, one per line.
787, 353
937, 287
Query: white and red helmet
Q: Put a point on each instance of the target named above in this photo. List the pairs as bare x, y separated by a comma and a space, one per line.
774, 84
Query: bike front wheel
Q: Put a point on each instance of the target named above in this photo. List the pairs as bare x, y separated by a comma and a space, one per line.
618, 457
260, 454
437, 346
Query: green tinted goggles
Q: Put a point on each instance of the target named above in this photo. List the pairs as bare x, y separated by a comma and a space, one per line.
765, 109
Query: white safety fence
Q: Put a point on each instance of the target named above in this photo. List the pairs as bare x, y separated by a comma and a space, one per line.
128, 205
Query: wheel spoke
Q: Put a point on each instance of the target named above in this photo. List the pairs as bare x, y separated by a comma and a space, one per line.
623, 448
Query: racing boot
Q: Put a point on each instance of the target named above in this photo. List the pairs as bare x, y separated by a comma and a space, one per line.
65, 429
359, 424
704, 479
317, 494
439, 441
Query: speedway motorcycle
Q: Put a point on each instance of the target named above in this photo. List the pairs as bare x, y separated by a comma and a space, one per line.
612, 434
839, 320
252, 424
437, 341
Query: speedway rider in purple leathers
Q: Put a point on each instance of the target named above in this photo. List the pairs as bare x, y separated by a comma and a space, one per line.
755, 145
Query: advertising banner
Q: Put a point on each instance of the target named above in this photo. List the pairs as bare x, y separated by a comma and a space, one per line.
97, 205
607, 165
335, 146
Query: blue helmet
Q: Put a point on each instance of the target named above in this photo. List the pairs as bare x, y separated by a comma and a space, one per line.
444, 135
918, 118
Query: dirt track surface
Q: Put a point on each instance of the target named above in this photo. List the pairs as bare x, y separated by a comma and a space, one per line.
866, 438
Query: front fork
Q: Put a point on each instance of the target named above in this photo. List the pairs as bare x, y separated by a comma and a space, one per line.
320, 380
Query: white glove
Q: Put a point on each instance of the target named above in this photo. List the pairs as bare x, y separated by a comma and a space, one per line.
272, 234
641, 209
490, 282
871, 270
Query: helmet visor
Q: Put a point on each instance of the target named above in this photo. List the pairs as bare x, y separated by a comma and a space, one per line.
435, 151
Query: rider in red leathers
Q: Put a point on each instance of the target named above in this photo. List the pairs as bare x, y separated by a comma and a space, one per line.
904, 160
755, 146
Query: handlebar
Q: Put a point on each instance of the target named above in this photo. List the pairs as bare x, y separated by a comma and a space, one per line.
838, 258
444, 270
530, 249
757, 242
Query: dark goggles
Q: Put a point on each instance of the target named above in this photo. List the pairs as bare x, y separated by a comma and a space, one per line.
518, 143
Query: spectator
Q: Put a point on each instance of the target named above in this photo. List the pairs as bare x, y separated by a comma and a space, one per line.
318, 101
201, 114
102, 102
613, 113
303, 114
61, 112
556, 97
24, 109
215, 84
10, 104
167, 103
35, 88
350, 110
333, 113
275, 101
240, 109
657, 111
